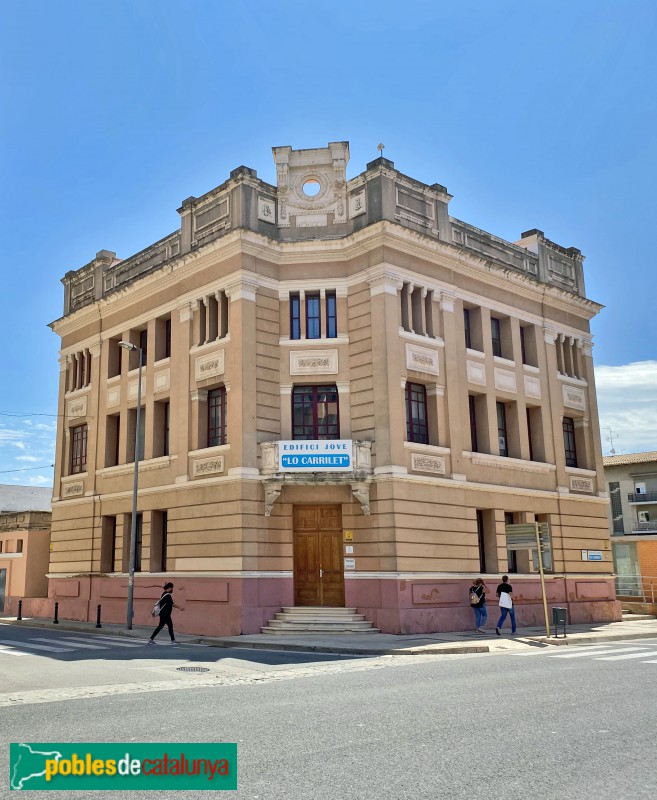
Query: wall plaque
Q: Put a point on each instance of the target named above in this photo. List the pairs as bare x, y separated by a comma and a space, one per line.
209, 366
422, 359
421, 462
208, 466
77, 408
314, 362
574, 397
578, 484
476, 373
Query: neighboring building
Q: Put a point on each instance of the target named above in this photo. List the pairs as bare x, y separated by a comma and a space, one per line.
24, 544
632, 485
348, 395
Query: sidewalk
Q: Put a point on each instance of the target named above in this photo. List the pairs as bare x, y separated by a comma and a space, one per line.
386, 643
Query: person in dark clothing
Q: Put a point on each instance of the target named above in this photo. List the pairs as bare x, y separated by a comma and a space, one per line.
504, 591
478, 604
166, 606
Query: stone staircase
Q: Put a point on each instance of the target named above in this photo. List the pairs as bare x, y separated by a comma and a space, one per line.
318, 619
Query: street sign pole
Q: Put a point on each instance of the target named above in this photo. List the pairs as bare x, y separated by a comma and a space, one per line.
540, 568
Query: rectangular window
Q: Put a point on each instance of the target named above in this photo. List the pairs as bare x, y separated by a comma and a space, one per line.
1, 546
331, 316
616, 507
466, 324
163, 540
472, 402
416, 413
315, 412
481, 541
143, 343
295, 316
501, 429
496, 336
78, 461
112, 439
313, 314
19, 545
217, 416
138, 542
529, 433
569, 441
167, 338
167, 420
108, 544
523, 345
158, 549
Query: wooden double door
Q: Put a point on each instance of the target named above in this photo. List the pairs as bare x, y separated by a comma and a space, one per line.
318, 563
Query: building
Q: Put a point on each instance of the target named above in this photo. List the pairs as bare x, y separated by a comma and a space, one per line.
632, 485
348, 396
24, 545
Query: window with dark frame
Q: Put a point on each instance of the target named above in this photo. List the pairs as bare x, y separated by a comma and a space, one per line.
416, 413
313, 317
19, 545
112, 560
472, 404
167, 338
295, 316
511, 554
466, 325
529, 434
523, 346
331, 316
163, 556
166, 416
139, 527
315, 412
496, 336
143, 344
78, 462
481, 540
217, 416
501, 429
569, 441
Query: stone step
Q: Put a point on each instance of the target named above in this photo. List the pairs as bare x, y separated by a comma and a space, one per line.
317, 609
322, 623
634, 617
300, 617
315, 629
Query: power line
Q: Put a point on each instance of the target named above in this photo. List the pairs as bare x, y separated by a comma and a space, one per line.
25, 469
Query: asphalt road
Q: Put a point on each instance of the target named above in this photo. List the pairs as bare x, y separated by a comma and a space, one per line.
537, 725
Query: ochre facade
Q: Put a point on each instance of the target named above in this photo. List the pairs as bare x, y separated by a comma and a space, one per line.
457, 367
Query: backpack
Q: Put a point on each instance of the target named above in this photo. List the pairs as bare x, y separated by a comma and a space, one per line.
156, 610
474, 598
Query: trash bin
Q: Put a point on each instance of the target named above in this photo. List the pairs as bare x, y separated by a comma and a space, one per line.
559, 619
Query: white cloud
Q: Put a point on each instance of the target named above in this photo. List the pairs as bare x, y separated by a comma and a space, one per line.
31, 459
39, 480
627, 402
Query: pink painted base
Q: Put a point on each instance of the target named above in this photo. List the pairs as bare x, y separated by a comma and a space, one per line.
234, 606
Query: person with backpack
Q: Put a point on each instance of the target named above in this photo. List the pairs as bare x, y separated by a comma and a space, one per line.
478, 604
163, 608
504, 591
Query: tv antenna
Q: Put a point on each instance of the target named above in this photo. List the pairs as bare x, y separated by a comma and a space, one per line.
610, 438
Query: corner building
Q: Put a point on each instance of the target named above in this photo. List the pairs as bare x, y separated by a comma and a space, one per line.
348, 396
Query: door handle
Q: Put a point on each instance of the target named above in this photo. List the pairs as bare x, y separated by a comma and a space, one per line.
321, 573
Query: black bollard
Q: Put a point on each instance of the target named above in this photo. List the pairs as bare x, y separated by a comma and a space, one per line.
19, 618
98, 625
56, 621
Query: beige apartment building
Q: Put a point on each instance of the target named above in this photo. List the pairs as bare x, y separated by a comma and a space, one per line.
347, 397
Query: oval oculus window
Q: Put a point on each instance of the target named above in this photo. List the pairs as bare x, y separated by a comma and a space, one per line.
311, 187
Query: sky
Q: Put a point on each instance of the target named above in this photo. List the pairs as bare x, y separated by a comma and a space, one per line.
533, 114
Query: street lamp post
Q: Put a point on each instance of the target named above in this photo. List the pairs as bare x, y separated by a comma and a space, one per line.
135, 483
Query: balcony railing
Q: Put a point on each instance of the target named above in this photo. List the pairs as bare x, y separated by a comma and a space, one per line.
644, 527
643, 588
642, 497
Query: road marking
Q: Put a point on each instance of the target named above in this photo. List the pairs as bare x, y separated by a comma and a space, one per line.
107, 642
631, 655
8, 651
588, 652
38, 646
62, 640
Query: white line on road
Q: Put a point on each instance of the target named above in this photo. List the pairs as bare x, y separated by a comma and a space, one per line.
107, 642
8, 651
38, 646
62, 640
589, 652
631, 655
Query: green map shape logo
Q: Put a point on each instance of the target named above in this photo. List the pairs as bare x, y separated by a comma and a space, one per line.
29, 763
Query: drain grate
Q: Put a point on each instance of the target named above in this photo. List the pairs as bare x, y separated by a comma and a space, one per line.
193, 669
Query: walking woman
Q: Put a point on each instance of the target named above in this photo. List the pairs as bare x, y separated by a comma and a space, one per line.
478, 603
166, 606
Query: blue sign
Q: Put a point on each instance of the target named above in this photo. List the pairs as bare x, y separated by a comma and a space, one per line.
315, 456
595, 555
